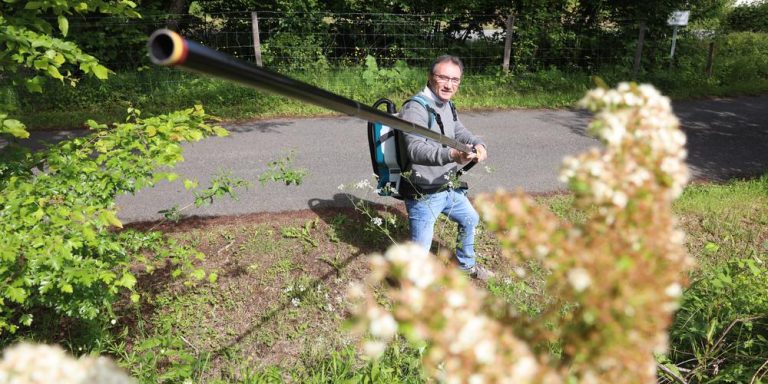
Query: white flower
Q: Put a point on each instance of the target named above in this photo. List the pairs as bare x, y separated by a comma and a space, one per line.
674, 290
377, 221
374, 349
468, 334
677, 237
619, 199
485, 351
363, 184
28, 363
295, 302
579, 279
383, 325
525, 368
455, 298
421, 272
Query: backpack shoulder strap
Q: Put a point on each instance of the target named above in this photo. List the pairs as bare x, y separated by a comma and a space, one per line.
453, 110
430, 111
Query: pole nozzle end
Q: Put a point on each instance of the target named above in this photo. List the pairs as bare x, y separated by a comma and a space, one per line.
167, 48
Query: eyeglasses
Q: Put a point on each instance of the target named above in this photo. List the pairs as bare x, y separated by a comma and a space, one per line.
445, 79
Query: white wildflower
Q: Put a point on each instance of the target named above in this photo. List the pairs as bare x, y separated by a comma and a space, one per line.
374, 349
677, 237
524, 368
468, 334
579, 279
422, 272
674, 290
377, 221
295, 302
382, 325
456, 298
415, 298
619, 199
363, 184
485, 351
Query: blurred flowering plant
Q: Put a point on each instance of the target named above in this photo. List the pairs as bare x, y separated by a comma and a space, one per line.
620, 272
44, 364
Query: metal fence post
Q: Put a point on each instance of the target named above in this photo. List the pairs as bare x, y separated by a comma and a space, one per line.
256, 40
508, 42
639, 50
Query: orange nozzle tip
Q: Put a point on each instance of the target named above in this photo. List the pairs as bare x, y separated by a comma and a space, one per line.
167, 48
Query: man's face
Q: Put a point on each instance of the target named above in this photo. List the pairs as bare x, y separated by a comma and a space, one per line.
444, 82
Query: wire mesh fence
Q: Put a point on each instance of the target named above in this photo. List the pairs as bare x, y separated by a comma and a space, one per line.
306, 40
332, 50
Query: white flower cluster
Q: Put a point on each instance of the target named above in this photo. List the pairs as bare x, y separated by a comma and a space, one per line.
435, 304
44, 364
363, 184
631, 118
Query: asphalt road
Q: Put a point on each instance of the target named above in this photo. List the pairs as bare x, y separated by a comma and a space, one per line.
727, 138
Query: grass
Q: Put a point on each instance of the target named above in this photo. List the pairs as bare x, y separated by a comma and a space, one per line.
277, 311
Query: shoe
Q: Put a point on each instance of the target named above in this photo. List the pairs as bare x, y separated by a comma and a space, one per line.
480, 273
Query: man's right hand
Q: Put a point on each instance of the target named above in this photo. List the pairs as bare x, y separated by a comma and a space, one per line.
462, 157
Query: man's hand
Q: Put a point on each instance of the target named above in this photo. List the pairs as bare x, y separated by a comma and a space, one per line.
482, 153
462, 157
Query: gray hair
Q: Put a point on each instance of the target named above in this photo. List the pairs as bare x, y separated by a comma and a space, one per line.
445, 59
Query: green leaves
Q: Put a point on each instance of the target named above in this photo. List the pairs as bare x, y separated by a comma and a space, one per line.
13, 127
63, 25
62, 217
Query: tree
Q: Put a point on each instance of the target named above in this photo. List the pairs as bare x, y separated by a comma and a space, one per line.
34, 49
749, 18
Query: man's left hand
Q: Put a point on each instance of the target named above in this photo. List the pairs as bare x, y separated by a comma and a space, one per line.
482, 153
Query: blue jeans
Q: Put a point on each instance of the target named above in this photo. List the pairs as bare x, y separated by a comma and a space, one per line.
423, 213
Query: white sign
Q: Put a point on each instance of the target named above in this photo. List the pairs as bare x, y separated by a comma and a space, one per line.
678, 18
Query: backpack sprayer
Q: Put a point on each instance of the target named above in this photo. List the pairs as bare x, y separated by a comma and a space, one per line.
168, 48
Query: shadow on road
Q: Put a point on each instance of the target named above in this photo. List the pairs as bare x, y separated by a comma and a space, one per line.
727, 138
271, 126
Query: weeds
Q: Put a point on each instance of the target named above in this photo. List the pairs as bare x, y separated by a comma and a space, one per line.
302, 233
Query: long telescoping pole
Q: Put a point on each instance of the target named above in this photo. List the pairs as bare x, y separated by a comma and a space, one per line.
168, 48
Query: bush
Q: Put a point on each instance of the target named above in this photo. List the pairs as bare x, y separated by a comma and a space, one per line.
748, 18
741, 57
58, 251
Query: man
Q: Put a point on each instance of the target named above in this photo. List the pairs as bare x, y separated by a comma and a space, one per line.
431, 188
